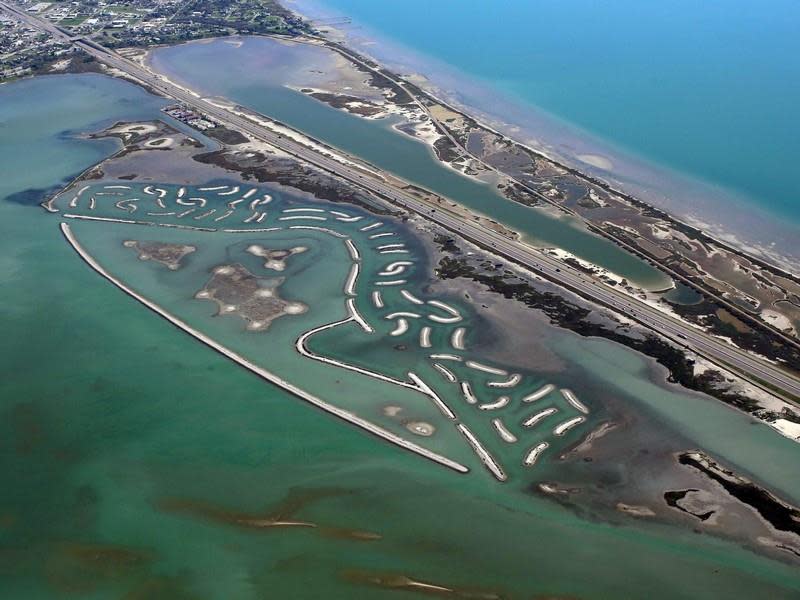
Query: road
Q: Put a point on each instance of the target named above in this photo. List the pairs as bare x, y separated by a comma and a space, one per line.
714, 349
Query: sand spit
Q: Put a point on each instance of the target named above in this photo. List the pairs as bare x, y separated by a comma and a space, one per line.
508, 383
351, 248
377, 299
371, 227
352, 277
312, 228
409, 296
457, 338
425, 337
263, 373
573, 400
302, 217
400, 328
351, 308
393, 282
446, 373
452, 357
503, 431
564, 427
540, 393
425, 389
301, 346
533, 454
534, 419
489, 462
501, 402
486, 368
466, 390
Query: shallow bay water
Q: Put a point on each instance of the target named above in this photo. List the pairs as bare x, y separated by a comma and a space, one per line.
689, 106
245, 73
126, 445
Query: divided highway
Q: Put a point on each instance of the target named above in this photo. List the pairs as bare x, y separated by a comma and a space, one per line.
714, 349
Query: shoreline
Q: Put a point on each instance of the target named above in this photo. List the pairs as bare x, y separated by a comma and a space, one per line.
431, 75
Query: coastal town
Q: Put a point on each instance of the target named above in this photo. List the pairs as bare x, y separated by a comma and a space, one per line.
140, 23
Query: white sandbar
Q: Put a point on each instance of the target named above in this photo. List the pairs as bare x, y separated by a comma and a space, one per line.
573, 400
351, 247
323, 229
305, 217
469, 396
485, 368
533, 454
410, 297
446, 357
534, 419
508, 383
351, 308
352, 277
425, 337
400, 328
503, 431
208, 213
445, 307
540, 393
446, 373
377, 299
457, 338
445, 320
501, 402
425, 389
489, 462
401, 313
564, 427
261, 230
392, 282
294, 210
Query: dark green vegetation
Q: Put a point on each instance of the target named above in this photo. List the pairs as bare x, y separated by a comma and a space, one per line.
579, 319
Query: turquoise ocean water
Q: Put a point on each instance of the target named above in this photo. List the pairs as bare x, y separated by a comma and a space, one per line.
694, 102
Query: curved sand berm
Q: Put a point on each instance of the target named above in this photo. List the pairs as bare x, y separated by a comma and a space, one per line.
263, 373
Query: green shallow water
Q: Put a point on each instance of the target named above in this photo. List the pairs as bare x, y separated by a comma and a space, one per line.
107, 412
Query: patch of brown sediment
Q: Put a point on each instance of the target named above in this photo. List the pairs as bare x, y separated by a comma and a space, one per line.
169, 255
28, 428
587, 442
279, 516
81, 567
160, 588
400, 582
228, 517
255, 299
